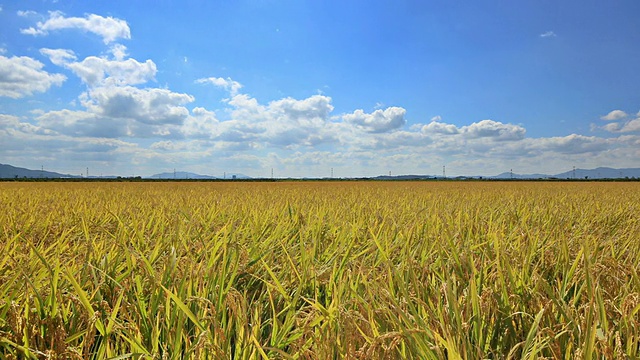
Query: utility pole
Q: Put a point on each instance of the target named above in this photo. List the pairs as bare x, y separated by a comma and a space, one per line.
444, 173
272, 173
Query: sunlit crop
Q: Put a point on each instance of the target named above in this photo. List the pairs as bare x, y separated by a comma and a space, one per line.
320, 270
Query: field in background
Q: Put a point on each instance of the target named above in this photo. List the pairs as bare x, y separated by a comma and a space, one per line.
320, 270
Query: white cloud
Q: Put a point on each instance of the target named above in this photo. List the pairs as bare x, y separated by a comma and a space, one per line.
285, 122
201, 124
149, 106
485, 129
119, 51
379, 121
129, 112
9, 120
82, 123
570, 144
26, 13
612, 127
23, 142
232, 86
630, 125
437, 127
614, 115
59, 57
95, 71
493, 129
548, 34
312, 109
109, 28
22, 76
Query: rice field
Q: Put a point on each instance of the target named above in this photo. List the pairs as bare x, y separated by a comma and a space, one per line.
320, 270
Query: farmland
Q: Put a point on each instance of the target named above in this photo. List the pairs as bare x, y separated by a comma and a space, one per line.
320, 270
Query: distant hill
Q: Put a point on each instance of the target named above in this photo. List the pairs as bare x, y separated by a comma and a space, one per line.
182, 175
597, 173
12, 172
509, 175
601, 173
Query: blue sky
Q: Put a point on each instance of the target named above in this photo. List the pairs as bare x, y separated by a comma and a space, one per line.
363, 87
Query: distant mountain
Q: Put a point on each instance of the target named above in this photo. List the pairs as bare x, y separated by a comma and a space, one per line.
12, 172
509, 175
182, 175
601, 173
597, 173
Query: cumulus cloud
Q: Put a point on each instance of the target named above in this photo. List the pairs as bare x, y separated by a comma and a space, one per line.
612, 127
148, 106
22, 76
59, 57
548, 34
284, 122
8, 120
201, 124
232, 86
485, 129
109, 28
493, 129
379, 121
82, 123
24, 142
630, 125
119, 51
614, 115
570, 144
95, 71
436, 127
314, 108
130, 112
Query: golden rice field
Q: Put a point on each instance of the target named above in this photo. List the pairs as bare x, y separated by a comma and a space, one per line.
320, 270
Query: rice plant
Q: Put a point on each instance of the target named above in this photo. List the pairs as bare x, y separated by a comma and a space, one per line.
320, 270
